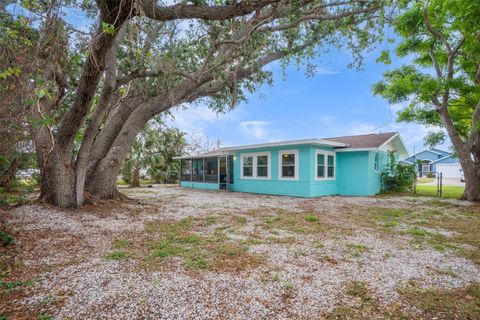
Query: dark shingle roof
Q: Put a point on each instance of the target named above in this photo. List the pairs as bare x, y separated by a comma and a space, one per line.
373, 140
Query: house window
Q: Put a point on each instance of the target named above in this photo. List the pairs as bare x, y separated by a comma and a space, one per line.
256, 165
288, 164
320, 165
262, 166
330, 166
376, 164
325, 164
247, 166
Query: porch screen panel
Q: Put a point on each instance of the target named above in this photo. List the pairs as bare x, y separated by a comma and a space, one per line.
197, 167
186, 174
211, 170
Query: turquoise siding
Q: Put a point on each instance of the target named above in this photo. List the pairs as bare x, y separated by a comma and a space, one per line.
300, 187
354, 171
321, 187
199, 185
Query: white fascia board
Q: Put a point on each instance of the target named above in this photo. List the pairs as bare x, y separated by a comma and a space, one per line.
403, 153
319, 142
446, 157
209, 155
356, 149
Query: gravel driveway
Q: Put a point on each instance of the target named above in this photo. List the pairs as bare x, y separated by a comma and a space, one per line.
174, 253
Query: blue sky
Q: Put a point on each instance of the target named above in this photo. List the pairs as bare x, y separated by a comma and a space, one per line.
337, 101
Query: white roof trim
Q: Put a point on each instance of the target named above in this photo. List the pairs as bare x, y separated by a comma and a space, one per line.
286, 143
406, 161
205, 155
356, 149
405, 150
449, 156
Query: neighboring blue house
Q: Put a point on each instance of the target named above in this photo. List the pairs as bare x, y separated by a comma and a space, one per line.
435, 160
307, 168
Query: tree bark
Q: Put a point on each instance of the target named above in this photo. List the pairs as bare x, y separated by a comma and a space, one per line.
8, 176
97, 118
135, 183
58, 185
472, 183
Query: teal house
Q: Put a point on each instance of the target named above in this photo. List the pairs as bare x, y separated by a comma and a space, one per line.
349, 165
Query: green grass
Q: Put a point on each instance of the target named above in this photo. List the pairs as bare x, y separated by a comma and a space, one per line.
9, 285
451, 192
198, 250
358, 289
425, 180
118, 255
311, 218
461, 303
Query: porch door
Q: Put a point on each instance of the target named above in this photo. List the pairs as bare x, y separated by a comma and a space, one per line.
222, 173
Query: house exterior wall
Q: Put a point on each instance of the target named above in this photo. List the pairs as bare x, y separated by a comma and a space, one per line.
299, 187
425, 155
443, 153
199, 185
448, 160
354, 174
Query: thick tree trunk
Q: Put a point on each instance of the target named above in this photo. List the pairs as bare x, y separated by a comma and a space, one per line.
472, 187
59, 177
58, 180
97, 118
102, 174
472, 177
8, 176
135, 182
102, 183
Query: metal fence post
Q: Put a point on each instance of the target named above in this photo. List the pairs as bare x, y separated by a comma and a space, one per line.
441, 184
414, 183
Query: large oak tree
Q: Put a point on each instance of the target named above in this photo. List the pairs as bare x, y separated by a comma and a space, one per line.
144, 58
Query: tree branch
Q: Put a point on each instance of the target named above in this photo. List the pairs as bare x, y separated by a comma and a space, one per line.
150, 9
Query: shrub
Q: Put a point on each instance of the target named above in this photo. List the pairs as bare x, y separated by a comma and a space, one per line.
6, 239
397, 177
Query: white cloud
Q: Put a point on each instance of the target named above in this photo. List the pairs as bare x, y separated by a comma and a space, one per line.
256, 129
195, 120
325, 71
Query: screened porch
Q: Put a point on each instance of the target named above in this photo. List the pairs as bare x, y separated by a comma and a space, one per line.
215, 172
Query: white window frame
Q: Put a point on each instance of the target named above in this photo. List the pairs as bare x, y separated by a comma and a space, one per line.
254, 155
376, 164
297, 160
326, 154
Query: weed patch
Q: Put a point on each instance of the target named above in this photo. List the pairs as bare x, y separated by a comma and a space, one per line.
463, 303
211, 251
118, 255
